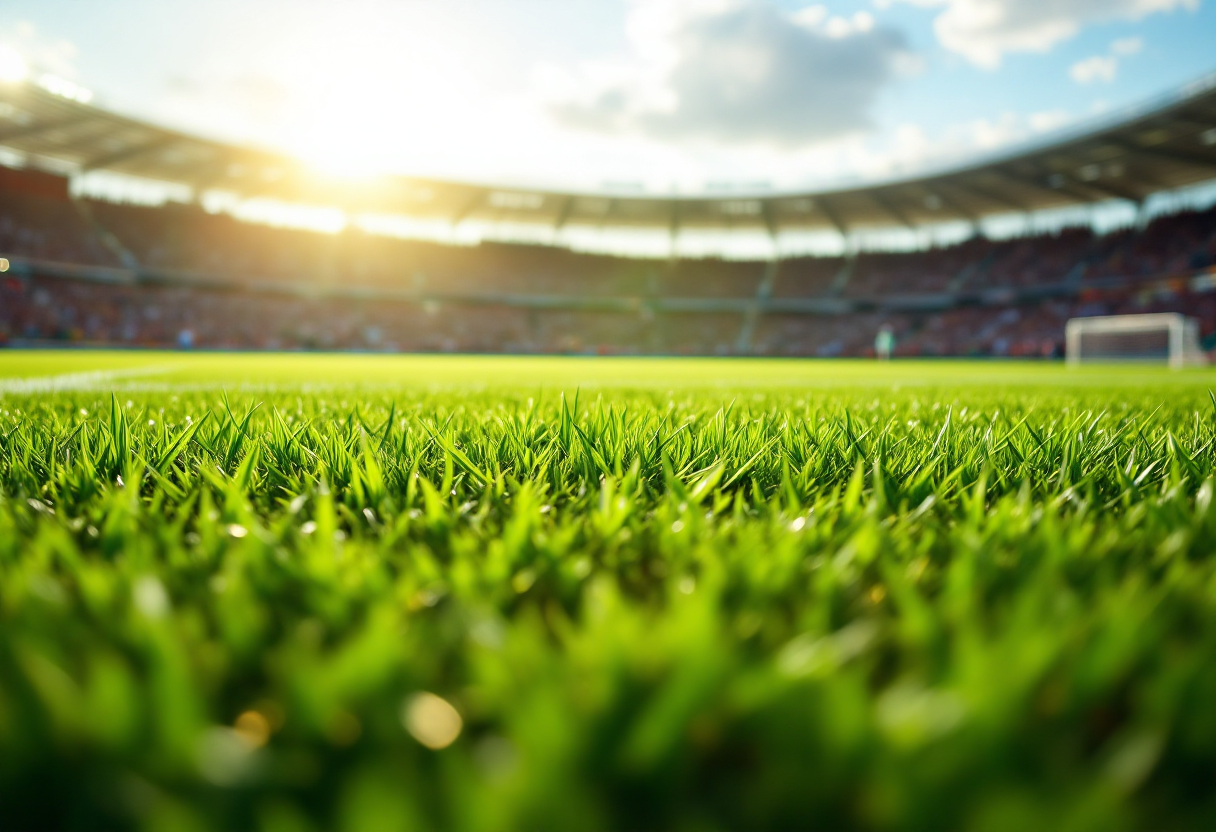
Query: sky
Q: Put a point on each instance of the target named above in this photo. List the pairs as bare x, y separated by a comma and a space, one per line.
638, 96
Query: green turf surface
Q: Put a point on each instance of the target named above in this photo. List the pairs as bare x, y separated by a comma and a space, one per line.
250, 592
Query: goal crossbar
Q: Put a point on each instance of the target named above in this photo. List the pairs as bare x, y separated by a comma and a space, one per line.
1181, 344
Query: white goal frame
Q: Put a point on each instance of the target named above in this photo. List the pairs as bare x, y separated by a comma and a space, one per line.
1184, 349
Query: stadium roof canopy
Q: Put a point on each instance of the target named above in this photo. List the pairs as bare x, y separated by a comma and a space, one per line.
1167, 145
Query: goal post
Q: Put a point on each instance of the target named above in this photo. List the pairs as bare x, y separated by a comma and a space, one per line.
1165, 337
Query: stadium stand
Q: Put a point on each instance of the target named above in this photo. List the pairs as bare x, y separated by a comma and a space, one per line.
37, 219
89, 271
205, 280
808, 277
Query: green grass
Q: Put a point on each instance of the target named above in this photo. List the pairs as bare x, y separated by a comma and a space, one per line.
660, 594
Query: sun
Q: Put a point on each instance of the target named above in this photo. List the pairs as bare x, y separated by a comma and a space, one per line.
13, 70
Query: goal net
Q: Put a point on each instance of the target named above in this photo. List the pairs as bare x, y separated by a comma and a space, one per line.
1165, 337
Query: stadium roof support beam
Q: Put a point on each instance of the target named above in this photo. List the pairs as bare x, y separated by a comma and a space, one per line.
1200, 121
1111, 190
563, 214
999, 199
673, 228
1200, 124
128, 154
879, 198
1032, 182
38, 128
1176, 156
770, 225
209, 174
84, 142
833, 218
609, 209
227, 172
1204, 125
953, 205
91, 133
467, 207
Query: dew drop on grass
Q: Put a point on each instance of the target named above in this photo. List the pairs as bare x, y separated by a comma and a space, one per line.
225, 757
523, 580
150, 597
431, 720
252, 727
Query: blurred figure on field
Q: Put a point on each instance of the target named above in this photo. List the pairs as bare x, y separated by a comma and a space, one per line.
884, 342
185, 339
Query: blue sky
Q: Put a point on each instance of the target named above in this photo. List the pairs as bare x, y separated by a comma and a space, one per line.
662, 95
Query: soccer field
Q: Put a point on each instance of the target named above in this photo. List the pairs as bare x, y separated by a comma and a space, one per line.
377, 593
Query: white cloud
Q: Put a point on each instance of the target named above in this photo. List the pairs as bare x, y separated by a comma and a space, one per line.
1105, 67
1095, 68
988, 134
911, 149
734, 72
244, 106
983, 31
40, 54
1009, 128
1047, 120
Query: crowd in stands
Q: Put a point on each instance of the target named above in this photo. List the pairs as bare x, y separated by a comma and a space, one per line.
164, 315
37, 219
187, 239
37, 309
934, 271
1178, 243
83, 311
809, 277
191, 278
1025, 331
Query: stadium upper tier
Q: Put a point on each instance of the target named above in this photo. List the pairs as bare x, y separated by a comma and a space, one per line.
1170, 144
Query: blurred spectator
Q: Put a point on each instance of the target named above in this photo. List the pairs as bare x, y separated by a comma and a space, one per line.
884, 342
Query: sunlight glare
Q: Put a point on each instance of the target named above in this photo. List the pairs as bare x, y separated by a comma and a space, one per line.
372, 88
12, 69
291, 215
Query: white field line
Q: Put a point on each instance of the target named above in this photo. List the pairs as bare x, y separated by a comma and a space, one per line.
98, 379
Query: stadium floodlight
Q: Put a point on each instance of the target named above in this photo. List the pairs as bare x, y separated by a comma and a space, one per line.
1165, 336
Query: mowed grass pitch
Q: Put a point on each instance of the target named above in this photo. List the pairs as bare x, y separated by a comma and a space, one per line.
396, 593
